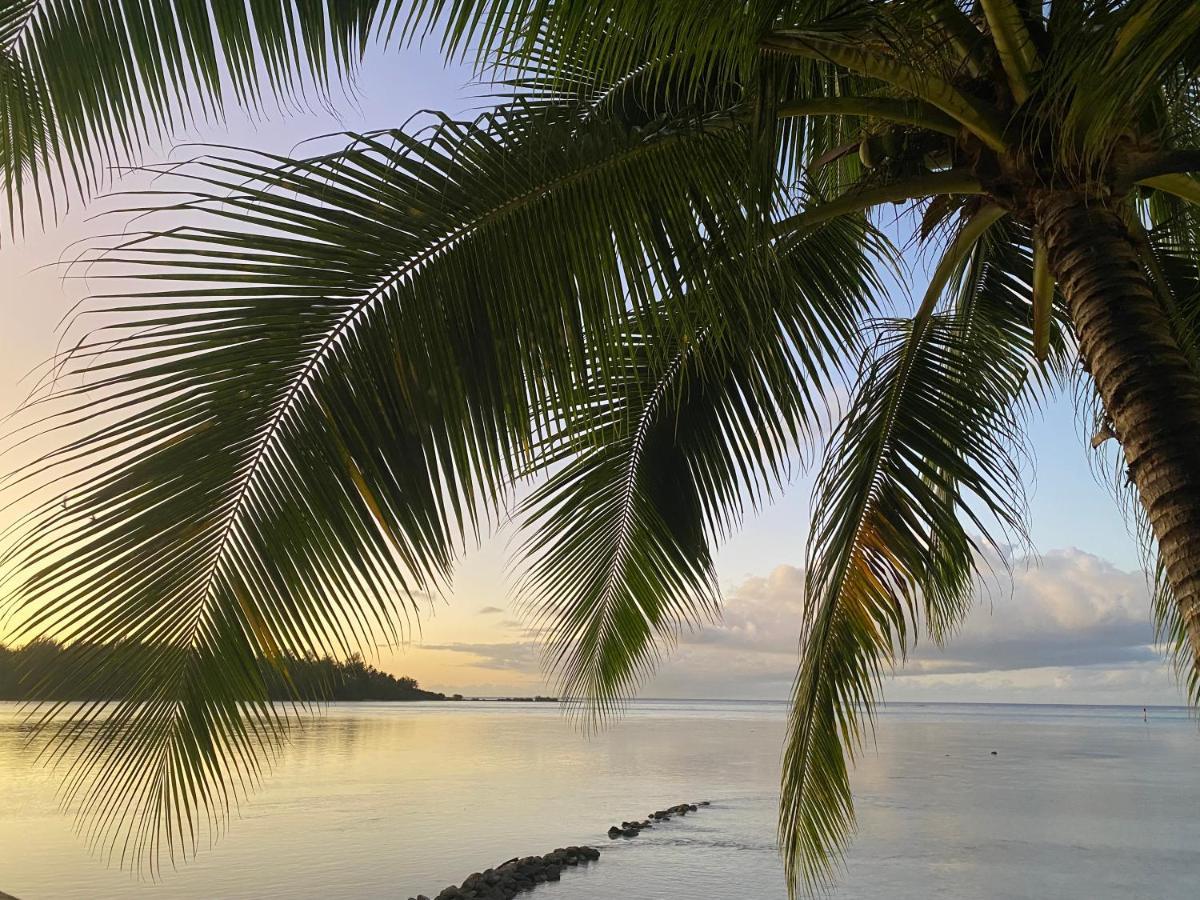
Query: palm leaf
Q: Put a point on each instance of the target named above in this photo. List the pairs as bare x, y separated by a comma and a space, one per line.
926, 442
328, 374
657, 461
84, 86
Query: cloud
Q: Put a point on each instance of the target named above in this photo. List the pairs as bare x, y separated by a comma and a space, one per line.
1068, 627
1068, 608
518, 656
489, 611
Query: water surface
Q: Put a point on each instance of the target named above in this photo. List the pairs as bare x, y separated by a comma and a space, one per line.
390, 800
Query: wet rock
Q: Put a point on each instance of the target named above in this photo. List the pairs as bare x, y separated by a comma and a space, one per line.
516, 875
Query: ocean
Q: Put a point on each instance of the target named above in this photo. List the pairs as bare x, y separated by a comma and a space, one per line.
392, 800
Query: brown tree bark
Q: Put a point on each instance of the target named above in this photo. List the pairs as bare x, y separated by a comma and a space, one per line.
1150, 391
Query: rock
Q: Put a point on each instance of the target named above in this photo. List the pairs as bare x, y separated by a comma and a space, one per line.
994, 753
705, 803
517, 875
614, 832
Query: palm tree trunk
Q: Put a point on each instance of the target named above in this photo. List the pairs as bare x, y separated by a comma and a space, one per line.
1150, 391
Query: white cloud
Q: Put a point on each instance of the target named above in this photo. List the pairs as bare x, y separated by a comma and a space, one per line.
1068, 627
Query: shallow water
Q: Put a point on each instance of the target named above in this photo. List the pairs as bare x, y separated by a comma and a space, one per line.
390, 800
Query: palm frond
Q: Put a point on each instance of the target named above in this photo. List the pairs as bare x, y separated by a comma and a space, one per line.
658, 460
682, 39
926, 442
327, 374
85, 86
1014, 44
1105, 71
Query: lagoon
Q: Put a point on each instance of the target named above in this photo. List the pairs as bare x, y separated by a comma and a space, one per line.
390, 800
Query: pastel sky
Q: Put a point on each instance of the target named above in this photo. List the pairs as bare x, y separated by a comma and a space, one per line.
1072, 624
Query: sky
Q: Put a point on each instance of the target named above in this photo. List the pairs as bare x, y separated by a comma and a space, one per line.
1071, 624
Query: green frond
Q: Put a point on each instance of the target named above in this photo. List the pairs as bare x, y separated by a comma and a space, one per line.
920, 83
1168, 242
619, 558
655, 463
926, 441
866, 196
964, 35
1014, 44
1105, 72
998, 285
683, 39
1169, 631
1185, 187
85, 86
969, 233
328, 374
908, 112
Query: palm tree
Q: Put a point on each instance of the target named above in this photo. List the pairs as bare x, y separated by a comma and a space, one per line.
638, 281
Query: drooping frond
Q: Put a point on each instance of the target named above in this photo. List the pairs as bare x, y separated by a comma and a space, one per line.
998, 284
84, 86
657, 462
925, 444
328, 372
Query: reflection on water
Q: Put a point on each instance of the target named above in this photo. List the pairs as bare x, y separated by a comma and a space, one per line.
378, 800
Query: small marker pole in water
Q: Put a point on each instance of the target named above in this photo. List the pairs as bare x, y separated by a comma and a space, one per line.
1144, 719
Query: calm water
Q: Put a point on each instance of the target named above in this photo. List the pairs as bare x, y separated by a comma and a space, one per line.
385, 801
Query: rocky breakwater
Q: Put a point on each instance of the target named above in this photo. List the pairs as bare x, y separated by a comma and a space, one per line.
634, 828
517, 875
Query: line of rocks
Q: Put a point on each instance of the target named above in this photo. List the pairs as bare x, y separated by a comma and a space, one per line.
519, 874
634, 828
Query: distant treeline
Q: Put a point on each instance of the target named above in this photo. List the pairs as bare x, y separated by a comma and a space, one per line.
38, 671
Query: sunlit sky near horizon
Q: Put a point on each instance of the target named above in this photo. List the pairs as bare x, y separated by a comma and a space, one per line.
1073, 625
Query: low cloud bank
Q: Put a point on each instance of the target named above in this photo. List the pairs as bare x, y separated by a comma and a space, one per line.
1067, 627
